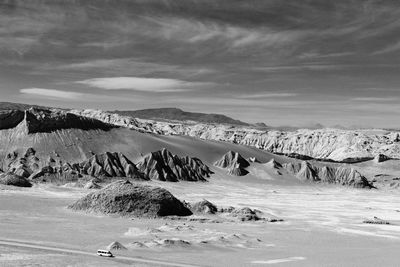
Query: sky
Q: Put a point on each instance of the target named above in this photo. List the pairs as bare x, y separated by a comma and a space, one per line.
280, 62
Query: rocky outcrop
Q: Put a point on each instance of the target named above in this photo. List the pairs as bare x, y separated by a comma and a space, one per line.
126, 199
247, 214
14, 180
110, 165
205, 207
234, 163
106, 165
165, 166
305, 171
116, 246
381, 158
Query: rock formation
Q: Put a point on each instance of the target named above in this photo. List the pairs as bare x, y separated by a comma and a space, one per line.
165, 166
14, 180
116, 246
305, 171
234, 163
205, 207
110, 165
247, 214
126, 199
380, 158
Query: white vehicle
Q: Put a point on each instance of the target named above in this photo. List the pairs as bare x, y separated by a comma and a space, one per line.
104, 253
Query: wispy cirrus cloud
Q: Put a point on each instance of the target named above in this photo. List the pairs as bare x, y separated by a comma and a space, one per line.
141, 84
375, 99
388, 49
266, 95
51, 93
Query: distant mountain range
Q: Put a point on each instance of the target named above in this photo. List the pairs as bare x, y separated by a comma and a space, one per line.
179, 115
17, 106
153, 114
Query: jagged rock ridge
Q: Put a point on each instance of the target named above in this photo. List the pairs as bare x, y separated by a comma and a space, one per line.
126, 199
305, 171
234, 163
110, 165
100, 166
165, 166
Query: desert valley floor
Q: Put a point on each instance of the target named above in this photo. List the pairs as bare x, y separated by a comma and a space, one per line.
317, 221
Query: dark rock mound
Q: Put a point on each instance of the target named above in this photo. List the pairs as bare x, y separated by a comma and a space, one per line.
10, 118
234, 162
380, 158
247, 214
14, 180
48, 120
305, 171
110, 165
205, 207
174, 242
165, 166
376, 220
125, 199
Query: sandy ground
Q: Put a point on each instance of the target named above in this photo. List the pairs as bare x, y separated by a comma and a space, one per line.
322, 227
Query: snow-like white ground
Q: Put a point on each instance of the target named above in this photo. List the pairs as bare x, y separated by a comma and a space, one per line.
322, 226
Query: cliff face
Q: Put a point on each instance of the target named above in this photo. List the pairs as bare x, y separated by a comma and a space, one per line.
35, 120
48, 120
10, 118
331, 144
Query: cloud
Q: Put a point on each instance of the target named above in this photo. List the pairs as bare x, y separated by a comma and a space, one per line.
266, 95
51, 93
235, 36
388, 49
141, 84
375, 99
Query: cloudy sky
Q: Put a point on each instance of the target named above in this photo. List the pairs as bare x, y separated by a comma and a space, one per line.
280, 62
